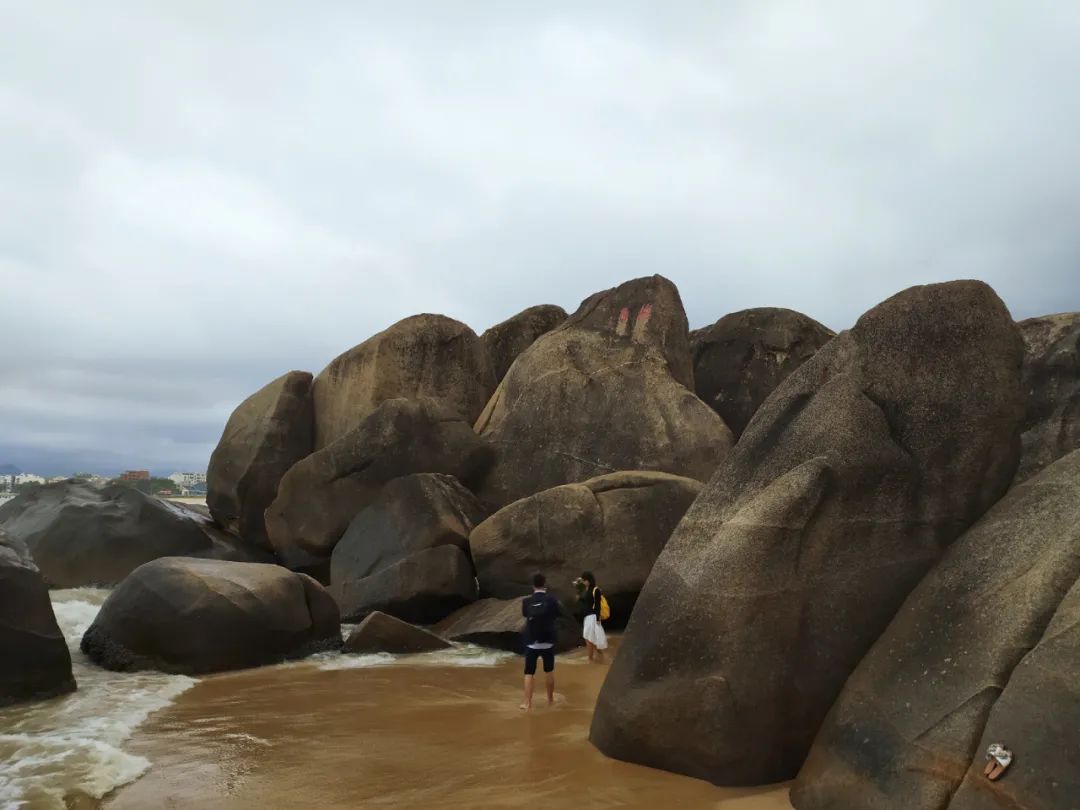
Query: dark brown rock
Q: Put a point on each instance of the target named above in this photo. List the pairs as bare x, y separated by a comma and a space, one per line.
740, 359
320, 495
614, 526
844, 490
497, 623
381, 633
604, 392
506, 340
422, 588
908, 723
410, 514
266, 435
197, 616
80, 534
425, 356
1052, 383
34, 660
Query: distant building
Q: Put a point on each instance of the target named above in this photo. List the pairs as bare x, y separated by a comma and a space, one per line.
26, 478
188, 479
135, 475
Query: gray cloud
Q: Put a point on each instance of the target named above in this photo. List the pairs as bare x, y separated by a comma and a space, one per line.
200, 196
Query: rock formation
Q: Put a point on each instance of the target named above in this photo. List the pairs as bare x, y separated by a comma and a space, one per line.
321, 494
80, 534
196, 616
506, 340
266, 435
608, 390
34, 660
1052, 383
425, 356
740, 359
380, 633
984, 636
854, 476
614, 525
497, 623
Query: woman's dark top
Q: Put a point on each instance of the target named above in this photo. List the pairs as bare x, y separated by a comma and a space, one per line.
590, 602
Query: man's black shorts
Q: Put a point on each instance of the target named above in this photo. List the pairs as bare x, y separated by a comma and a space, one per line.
530, 660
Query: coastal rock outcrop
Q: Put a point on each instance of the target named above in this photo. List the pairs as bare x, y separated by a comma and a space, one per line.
844, 490
614, 525
981, 652
610, 389
80, 534
425, 356
497, 623
197, 616
421, 588
740, 359
34, 660
1052, 383
321, 494
380, 633
266, 435
506, 340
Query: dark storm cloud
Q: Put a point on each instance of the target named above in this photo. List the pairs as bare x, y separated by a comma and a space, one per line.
201, 196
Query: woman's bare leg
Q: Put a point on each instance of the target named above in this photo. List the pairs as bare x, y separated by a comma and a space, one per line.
592, 649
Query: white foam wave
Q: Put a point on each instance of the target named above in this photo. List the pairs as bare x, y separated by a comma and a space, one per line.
460, 655
72, 745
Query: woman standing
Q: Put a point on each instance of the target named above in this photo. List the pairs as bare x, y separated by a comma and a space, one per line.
594, 606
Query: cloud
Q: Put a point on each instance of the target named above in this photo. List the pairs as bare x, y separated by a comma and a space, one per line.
199, 197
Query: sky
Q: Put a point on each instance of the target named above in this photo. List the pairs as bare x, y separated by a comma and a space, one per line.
200, 196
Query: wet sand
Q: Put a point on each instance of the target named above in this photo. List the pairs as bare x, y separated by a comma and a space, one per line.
398, 736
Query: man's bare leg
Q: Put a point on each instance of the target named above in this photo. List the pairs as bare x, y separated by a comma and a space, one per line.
550, 677
528, 693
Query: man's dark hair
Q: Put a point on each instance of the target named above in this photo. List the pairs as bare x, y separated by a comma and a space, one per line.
539, 580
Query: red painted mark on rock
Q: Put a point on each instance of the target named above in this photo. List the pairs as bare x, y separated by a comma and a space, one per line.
624, 321
643, 316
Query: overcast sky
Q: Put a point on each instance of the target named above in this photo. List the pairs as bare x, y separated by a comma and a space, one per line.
199, 196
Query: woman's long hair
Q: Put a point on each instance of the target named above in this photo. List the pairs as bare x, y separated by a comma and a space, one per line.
588, 577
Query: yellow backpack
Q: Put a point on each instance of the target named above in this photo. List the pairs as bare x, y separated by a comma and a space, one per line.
605, 609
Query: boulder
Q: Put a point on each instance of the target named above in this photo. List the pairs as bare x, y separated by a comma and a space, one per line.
197, 616
497, 623
80, 534
421, 588
614, 525
741, 358
908, 723
506, 340
410, 514
34, 660
608, 390
381, 633
266, 435
425, 356
1052, 383
849, 482
321, 494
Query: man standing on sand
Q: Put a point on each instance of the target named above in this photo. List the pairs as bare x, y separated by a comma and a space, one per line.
540, 611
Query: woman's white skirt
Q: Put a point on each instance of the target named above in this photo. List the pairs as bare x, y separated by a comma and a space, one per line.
594, 632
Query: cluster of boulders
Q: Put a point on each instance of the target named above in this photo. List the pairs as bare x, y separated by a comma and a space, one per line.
848, 558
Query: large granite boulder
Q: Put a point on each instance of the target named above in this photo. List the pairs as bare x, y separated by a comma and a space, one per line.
608, 390
196, 616
425, 356
1052, 383
34, 658
853, 477
321, 494
379, 633
741, 358
498, 623
614, 525
421, 589
266, 435
909, 722
506, 340
410, 514
80, 534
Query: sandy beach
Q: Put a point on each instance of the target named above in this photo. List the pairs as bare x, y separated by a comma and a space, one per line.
368, 732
